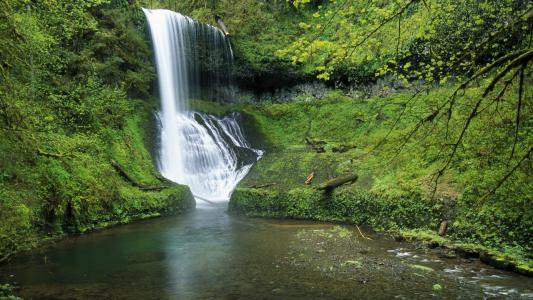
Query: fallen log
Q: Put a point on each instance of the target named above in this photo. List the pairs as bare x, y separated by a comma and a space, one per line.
258, 186
203, 199
222, 25
338, 181
50, 154
312, 142
361, 233
132, 180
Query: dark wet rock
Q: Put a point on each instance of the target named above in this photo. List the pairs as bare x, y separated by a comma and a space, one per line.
447, 254
524, 271
399, 238
493, 260
467, 253
433, 245
282, 93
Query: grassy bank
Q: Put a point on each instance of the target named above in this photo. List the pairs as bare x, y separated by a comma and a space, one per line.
395, 191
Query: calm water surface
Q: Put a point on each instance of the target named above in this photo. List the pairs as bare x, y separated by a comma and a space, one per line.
208, 254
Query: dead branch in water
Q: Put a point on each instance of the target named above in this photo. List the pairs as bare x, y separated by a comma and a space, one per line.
361, 233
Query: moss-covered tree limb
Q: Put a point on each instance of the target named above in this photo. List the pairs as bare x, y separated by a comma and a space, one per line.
51, 154
518, 108
132, 180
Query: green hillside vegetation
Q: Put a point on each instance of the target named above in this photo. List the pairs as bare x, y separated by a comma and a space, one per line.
455, 143
395, 190
74, 95
446, 134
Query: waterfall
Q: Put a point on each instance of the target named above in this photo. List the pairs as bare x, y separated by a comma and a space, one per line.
207, 153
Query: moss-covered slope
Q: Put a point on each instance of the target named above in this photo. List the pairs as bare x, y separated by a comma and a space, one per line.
395, 191
72, 79
65, 183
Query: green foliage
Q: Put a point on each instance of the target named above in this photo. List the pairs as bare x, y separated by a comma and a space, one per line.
70, 74
430, 40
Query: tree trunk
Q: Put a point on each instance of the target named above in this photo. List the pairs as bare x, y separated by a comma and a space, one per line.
443, 227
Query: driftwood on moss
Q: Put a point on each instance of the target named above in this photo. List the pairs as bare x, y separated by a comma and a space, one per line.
338, 181
132, 180
342, 148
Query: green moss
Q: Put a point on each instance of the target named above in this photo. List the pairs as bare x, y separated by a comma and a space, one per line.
346, 204
525, 268
426, 236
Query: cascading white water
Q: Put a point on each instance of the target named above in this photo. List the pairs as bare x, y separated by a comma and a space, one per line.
207, 153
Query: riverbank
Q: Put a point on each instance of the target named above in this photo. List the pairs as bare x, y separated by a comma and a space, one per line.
413, 220
335, 134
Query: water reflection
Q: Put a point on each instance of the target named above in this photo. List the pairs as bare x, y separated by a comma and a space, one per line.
208, 254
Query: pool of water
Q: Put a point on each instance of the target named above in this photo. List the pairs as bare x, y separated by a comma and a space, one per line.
208, 254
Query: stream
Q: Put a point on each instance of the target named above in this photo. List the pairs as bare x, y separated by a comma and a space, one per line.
210, 254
